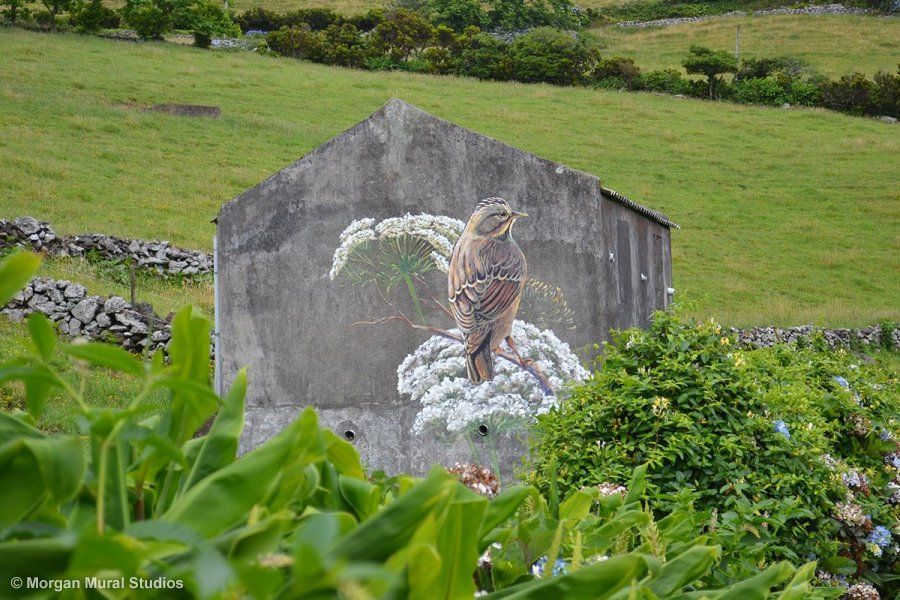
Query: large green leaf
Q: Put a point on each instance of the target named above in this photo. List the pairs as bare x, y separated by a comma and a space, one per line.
43, 336
37, 471
597, 581
15, 272
46, 558
683, 570
500, 509
221, 443
224, 498
106, 355
391, 528
457, 545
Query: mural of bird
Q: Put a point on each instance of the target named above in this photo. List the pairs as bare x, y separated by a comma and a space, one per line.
485, 282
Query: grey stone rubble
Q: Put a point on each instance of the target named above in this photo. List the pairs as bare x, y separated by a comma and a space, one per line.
79, 314
157, 256
764, 337
825, 9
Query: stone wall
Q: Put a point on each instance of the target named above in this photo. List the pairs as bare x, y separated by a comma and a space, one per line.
764, 337
156, 256
824, 9
78, 313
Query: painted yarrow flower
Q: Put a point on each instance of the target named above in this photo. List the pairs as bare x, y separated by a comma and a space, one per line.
435, 375
436, 232
609, 489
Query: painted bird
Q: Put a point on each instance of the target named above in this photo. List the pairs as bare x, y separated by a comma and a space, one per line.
485, 281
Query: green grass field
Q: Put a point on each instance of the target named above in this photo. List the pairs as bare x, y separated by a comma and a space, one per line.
789, 216
831, 44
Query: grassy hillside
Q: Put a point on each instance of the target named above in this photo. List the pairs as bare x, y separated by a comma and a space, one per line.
789, 216
832, 44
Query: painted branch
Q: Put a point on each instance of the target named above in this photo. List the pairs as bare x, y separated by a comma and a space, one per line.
531, 368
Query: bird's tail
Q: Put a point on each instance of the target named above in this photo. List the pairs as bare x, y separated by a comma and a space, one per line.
480, 361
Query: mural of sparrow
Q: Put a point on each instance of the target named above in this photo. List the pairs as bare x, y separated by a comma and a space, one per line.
485, 282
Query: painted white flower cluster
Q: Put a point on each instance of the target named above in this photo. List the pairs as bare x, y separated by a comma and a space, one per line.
438, 231
435, 375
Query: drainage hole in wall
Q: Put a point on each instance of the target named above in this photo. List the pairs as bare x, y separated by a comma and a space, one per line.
482, 429
349, 435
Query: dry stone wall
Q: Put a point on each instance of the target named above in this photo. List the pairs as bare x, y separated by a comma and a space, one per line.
156, 256
79, 314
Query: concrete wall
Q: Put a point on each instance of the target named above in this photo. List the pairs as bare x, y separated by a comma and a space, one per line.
282, 315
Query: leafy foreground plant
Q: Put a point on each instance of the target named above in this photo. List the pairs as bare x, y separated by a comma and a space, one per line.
139, 506
790, 452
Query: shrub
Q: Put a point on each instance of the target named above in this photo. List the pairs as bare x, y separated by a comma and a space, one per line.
517, 15
551, 56
851, 93
759, 68
205, 20
619, 69
337, 45
710, 63
318, 19
402, 33
886, 94
769, 439
366, 21
759, 90
456, 14
151, 19
483, 56
259, 18
14, 10
667, 81
92, 16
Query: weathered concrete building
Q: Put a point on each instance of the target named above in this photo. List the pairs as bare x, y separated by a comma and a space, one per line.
326, 318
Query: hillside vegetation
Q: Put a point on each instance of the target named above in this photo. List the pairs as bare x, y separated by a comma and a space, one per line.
831, 44
789, 216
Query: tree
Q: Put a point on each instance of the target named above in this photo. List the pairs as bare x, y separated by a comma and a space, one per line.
710, 63
13, 9
551, 56
401, 33
206, 20
54, 7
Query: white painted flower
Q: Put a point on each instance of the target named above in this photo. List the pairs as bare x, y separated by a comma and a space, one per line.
435, 375
351, 243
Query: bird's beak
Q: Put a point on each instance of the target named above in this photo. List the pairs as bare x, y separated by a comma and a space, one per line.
518, 215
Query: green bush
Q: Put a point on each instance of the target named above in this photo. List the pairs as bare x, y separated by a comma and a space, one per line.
14, 11
551, 56
205, 20
761, 90
151, 19
401, 34
483, 56
851, 93
141, 496
92, 16
337, 45
456, 14
886, 94
766, 438
516, 15
666, 81
622, 71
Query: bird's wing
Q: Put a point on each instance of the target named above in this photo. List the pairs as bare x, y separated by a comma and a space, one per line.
485, 280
